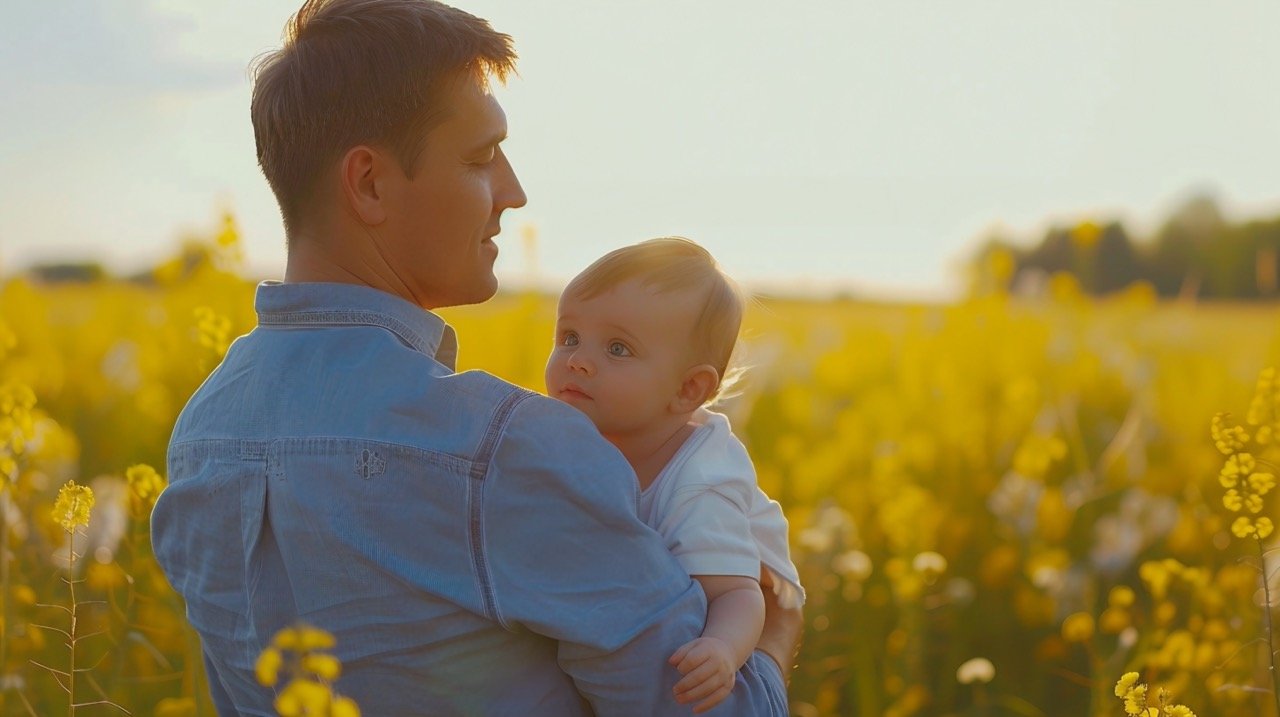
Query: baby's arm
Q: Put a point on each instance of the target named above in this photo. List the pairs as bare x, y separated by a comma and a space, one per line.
735, 617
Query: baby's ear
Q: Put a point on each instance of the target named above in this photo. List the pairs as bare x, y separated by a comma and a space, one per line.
697, 386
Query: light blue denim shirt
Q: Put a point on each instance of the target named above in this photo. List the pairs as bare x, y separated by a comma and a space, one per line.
474, 547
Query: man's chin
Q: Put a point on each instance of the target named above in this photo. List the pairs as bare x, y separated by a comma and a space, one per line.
483, 290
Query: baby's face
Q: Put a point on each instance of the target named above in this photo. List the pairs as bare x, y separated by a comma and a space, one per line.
620, 357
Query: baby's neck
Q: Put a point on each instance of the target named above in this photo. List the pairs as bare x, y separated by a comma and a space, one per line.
649, 451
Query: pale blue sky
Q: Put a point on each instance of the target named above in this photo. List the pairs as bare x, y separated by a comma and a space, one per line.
866, 143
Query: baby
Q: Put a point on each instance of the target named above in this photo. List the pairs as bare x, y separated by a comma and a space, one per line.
643, 341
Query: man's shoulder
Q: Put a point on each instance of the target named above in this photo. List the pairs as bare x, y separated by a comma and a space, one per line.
553, 445
524, 409
554, 425
519, 416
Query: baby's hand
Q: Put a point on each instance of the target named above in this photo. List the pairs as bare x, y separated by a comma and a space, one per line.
709, 672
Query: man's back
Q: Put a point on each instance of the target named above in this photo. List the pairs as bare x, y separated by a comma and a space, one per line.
472, 546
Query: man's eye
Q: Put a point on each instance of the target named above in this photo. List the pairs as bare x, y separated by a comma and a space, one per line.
617, 348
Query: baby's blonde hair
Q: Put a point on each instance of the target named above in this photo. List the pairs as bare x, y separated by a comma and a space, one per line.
676, 264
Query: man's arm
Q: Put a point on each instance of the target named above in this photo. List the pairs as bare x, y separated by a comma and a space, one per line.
780, 638
569, 559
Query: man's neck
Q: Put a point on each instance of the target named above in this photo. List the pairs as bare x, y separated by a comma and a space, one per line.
313, 258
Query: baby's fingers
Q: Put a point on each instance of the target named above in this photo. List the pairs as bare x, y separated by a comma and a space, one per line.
713, 699
693, 659
679, 654
694, 685
708, 685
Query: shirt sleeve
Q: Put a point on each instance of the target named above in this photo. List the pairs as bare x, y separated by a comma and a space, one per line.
707, 530
569, 559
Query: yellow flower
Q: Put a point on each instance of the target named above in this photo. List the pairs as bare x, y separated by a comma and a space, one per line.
313, 638
1237, 467
303, 697
1253, 503
1244, 527
1264, 435
1263, 391
144, 481
1233, 501
325, 667
1126, 683
267, 668
1264, 527
1262, 483
16, 399
1121, 596
1113, 620
213, 329
346, 707
1135, 700
1179, 711
1227, 439
308, 671
17, 423
286, 639
1157, 575
73, 506
1078, 627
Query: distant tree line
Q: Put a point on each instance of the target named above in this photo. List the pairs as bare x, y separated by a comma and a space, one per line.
1196, 253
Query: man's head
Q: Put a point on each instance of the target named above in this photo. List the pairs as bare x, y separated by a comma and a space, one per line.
646, 330
375, 117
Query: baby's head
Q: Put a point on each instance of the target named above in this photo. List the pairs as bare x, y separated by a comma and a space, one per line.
644, 334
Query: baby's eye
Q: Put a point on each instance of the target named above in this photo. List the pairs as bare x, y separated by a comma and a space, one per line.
569, 339
617, 348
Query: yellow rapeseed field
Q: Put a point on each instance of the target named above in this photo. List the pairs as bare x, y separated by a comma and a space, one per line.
998, 506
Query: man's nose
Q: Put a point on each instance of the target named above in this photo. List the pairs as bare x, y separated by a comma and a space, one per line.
510, 194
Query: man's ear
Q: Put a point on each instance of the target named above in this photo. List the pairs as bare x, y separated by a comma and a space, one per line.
363, 184
697, 386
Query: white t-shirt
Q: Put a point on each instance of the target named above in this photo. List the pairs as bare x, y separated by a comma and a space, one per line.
714, 518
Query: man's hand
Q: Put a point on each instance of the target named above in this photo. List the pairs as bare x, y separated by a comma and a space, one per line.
709, 672
783, 628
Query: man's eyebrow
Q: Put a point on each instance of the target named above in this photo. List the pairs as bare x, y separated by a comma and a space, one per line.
491, 140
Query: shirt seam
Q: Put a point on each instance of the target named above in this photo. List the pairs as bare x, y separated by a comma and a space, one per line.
252, 448
475, 500
352, 317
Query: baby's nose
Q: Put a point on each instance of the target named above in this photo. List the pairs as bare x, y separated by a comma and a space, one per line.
578, 362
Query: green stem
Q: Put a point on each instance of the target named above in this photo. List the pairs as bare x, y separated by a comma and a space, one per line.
1269, 629
71, 642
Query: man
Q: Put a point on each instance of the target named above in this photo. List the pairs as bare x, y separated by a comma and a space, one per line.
474, 547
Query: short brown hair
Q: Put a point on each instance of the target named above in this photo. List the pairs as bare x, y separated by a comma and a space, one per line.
361, 71
675, 264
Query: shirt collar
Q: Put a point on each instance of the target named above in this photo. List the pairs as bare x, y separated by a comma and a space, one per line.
333, 304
